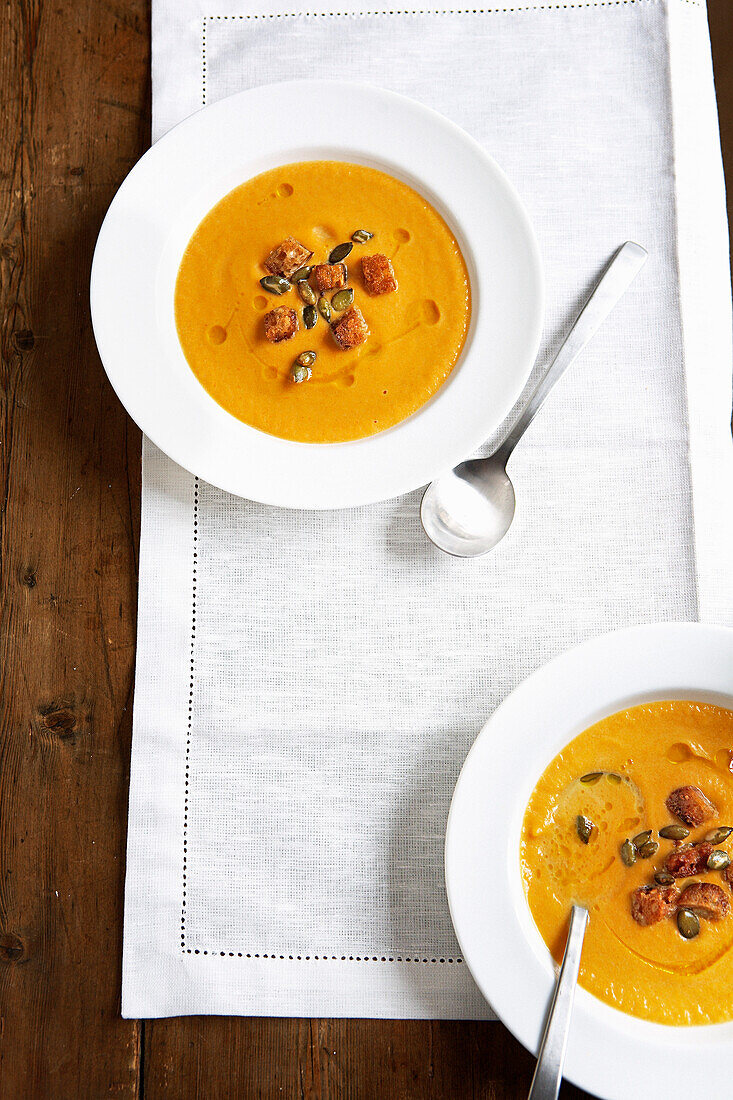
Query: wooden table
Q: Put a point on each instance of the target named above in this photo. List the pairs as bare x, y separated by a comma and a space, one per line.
75, 117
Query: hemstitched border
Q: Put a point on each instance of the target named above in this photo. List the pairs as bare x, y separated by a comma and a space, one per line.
189, 721
321, 958
247, 954
571, 4
515, 9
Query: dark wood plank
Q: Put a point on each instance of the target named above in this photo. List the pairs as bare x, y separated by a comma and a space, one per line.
333, 1060
336, 1060
74, 80
720, 19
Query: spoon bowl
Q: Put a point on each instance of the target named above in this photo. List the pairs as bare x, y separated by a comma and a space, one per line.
468, 510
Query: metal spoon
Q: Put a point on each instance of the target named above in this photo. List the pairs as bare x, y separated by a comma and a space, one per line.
551, 1058
467, 511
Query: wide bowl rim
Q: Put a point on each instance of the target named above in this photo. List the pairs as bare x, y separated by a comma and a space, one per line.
515, 971
178, 180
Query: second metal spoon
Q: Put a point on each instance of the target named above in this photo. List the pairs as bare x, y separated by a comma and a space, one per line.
467, 511
551, 1055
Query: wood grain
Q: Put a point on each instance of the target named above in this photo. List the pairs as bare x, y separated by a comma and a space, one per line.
73, 120
720, 20
334, 1060
74, 80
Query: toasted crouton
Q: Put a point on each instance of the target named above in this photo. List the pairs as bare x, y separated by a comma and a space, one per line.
330, 276
280, 324
378, 274
728, 875
351, 329
287, 258
690, 805
706, 900
650, 904
690, 859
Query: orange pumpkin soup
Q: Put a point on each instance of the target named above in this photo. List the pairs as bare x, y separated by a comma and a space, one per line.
633, 820
271, 346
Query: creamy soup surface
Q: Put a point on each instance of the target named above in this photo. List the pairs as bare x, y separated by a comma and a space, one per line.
416, 331
660, 766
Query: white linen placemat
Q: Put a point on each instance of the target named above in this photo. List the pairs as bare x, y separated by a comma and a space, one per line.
308, 684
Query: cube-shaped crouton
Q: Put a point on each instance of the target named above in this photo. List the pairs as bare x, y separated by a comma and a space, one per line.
351, 329
706, 900
330, 276
287, 258
280, 324
378, 274
650, 904
690, 805
688, 860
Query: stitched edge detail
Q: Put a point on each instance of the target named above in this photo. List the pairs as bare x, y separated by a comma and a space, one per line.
451, 11
242, 954
326, 15
189, 722
203, 60
322, 958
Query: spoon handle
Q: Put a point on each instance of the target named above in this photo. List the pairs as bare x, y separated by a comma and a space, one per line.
548, 1072
621, 271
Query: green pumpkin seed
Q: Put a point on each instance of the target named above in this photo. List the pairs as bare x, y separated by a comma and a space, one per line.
717, 836
275, 284
641, 838
628, 853
299, 373
361, 236
340, 252
612, 777
343, 299
585, 827
663, 878
688, 924
591, 777
310, 317
306, 358
674, 832
307, 293
648, 849
718, 860
324, 309
302, 273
